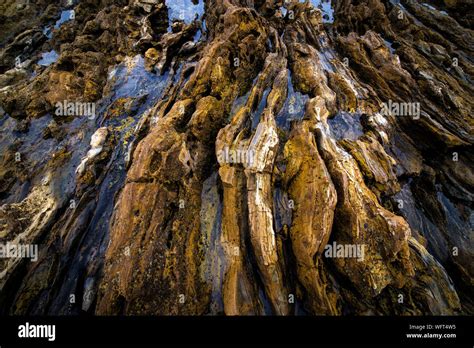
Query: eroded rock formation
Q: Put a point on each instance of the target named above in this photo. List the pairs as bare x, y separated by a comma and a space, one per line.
237, 157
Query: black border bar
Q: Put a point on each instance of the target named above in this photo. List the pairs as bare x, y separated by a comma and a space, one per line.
208, 330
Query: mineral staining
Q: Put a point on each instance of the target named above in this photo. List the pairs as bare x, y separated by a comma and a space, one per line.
237, 158
48, 58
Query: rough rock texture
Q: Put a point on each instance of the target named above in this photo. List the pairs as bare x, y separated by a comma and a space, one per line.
242, 157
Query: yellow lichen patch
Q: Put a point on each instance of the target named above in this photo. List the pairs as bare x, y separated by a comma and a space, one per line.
126, 129
59, 158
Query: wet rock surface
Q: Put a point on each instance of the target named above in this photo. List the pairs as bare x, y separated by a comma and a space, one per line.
232, 157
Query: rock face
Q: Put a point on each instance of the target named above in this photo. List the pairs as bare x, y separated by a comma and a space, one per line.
237, 157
